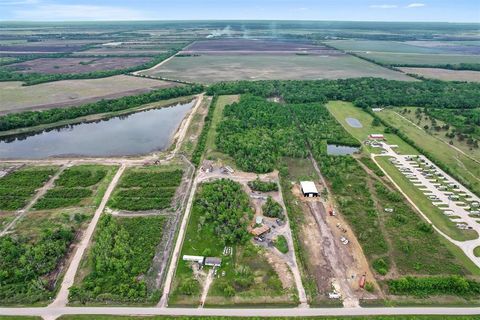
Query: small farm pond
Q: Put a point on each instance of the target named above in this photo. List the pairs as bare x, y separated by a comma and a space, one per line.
338, 150
354, 123
136, 133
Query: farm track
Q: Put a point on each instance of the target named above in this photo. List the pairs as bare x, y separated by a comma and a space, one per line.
68, 279
40, 193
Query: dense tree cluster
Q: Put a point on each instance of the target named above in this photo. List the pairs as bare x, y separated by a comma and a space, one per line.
121, 255
426, 286
34, 118
263, 186
26, 264
256, 132
224, 207
272, 209
465, 121
364, 92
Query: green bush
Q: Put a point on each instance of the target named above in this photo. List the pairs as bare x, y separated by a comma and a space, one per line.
272, 209
381, 265
281, 244
263, 186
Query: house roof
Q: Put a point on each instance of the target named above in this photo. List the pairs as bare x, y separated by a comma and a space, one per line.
308, 187
213, 260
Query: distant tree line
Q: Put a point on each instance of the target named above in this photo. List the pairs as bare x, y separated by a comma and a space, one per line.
363, 92
426, 286
34, 118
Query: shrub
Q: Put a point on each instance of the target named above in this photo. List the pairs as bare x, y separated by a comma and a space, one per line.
272, 209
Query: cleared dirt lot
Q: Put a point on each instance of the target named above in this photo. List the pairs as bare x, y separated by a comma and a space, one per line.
445, 74
76, 65
15, 97
225, 67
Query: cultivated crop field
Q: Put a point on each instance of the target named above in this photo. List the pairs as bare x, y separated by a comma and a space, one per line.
16, 97
18, 187
73, 188
147, 188
76, 65
444, 74
211, 68
116, 265
34, 251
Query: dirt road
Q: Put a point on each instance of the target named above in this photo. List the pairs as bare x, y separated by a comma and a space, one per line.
62, 297
40, 193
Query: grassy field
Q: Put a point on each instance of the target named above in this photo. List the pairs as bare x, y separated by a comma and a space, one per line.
462, 165
419, 58
16, 97
226, 67
444, 74
342, 110
146, 188
211, 151
440, 220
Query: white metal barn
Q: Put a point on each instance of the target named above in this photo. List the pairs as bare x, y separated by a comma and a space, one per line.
309, 189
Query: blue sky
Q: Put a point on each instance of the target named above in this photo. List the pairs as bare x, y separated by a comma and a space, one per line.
356, 10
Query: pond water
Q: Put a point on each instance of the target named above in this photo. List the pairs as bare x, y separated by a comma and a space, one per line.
354, 123
338, 150
136, 133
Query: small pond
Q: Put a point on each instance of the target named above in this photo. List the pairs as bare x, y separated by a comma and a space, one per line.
132, 134
338, 150
354, 123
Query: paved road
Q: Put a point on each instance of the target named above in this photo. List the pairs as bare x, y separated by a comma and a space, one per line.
52, 313
62, 297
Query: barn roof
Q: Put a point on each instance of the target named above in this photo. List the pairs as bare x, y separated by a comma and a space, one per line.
308, 187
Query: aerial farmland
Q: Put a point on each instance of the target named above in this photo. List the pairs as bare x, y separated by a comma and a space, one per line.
232, 168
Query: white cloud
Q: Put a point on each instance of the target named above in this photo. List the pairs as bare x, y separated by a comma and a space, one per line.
56, 12
17, 2
415, 5
384, 6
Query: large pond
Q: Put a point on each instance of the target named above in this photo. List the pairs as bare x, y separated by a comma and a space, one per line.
337, 150
136, 133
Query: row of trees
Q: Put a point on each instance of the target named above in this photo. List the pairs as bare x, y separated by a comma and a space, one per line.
364, 92
452, 285
202, 139
35, 118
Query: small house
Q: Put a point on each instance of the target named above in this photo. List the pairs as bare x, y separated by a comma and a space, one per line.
260, 230
197, 259
309, 189
376, 136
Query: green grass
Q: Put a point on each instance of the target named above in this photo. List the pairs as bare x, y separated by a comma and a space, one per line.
476, 251
211, 151
415, 59
342, 110
440, 220
228, 67
281, 244
463, 166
